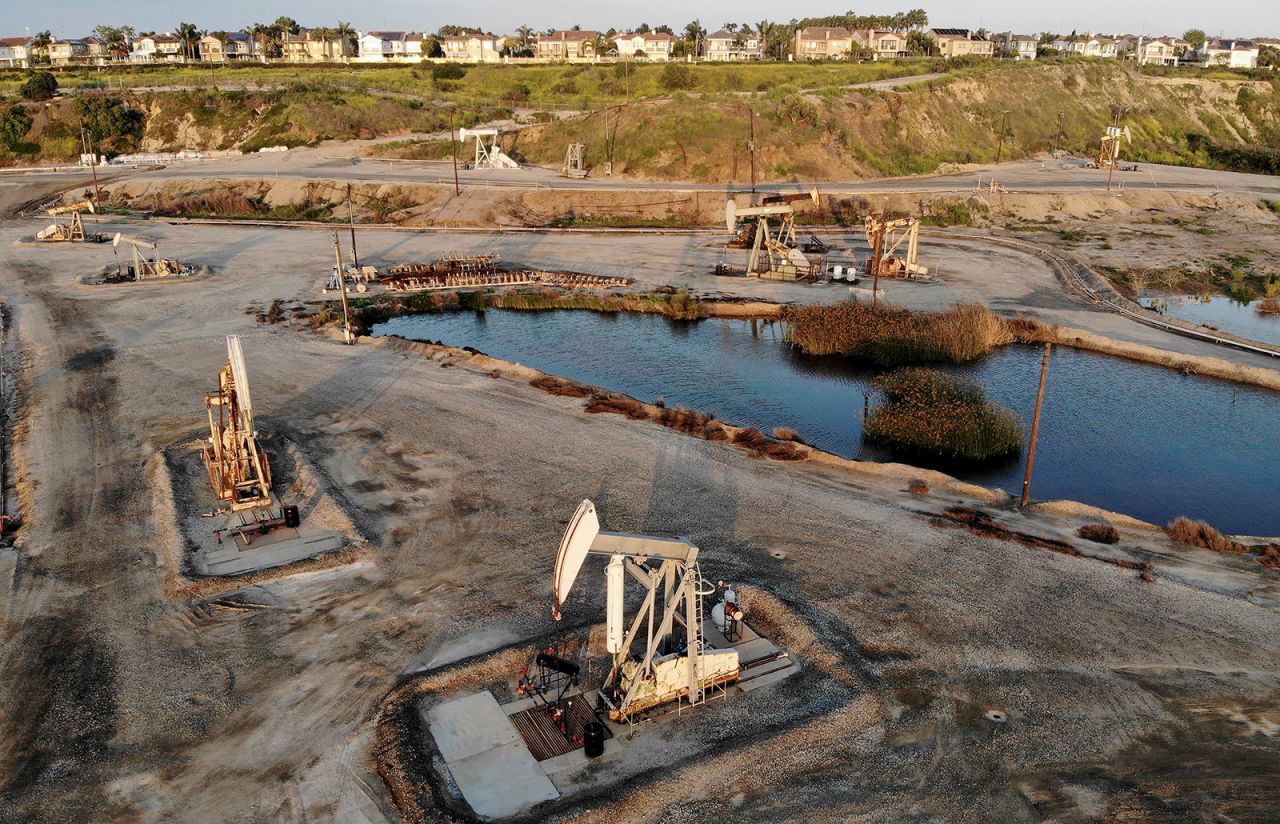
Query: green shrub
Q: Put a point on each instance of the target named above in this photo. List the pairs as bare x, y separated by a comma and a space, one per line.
39, 86
447, 71
676, 76
14, 125
929, 412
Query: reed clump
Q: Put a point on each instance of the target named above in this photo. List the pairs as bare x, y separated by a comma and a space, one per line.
929, 412
563, 387
1099, 533
678, 304
1198, 533
618, 405
761, 445
1269, 305
892, 336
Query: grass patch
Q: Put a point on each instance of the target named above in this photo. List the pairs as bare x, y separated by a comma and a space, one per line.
677, 303
891, 336
1099, 533
929, 412
1198, 533
563, 387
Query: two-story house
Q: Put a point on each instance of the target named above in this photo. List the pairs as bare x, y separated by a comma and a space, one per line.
306, 47
1237, 54
157, 48
654, 46
727, 46
66, 52
1020, 46
472, 48
568, 45
390, 47
15, 53
823, 43
961, 43
1159, 51
239, 46
883, 45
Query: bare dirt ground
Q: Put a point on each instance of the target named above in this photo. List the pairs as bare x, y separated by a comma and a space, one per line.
129, 698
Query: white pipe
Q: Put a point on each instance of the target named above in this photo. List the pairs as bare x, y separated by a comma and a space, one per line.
613, 611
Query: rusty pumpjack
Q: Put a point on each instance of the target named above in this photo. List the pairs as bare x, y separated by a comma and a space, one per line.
238, 467
775, 254
889, 258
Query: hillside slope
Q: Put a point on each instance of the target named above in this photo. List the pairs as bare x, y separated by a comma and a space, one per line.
956, 120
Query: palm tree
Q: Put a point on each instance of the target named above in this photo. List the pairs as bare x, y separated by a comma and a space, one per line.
325, 36
344, 33
190, 37
693, 32
40, 45
764, 29
524, 32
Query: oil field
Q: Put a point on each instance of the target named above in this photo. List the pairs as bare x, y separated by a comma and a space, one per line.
467, 469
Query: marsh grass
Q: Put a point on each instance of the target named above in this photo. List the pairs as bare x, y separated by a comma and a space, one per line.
891, 336
1099, 533
1198, 533
929, 412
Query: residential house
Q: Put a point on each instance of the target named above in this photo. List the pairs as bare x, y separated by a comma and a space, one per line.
157, 48
961, 43
823, 43
306, 47
1160, 51
568, 45
883, 45
390, 47
1086, 46
66, 52
655, 46
15, 53
239, 46
472, 48
1021, 46
96, 50
1237, 54
730, 46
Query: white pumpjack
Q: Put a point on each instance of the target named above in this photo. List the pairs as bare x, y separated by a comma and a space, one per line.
667, 670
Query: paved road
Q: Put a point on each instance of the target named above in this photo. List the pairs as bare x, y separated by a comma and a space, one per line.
1068, 175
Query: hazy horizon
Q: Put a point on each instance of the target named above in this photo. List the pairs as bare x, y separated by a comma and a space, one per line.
73, 18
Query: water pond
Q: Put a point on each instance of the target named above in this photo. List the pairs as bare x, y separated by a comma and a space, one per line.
1130, 437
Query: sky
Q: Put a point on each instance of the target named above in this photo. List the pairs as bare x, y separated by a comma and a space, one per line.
70, 18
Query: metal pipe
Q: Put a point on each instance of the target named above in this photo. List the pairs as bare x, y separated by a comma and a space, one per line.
1035, 426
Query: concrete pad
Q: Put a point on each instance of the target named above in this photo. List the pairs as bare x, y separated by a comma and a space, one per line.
470, 725
232, 559
492, 767
502, 781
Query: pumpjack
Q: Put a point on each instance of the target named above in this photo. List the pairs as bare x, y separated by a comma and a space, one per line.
895, 247
659, 656
238, 466
771, 227
73, 230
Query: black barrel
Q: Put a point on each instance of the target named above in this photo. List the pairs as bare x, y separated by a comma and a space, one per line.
291, 517
593, 739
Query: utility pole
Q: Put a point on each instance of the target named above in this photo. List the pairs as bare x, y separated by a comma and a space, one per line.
1035, 425
351, 216
751, 144
457, 187
608, 149
1057, 139
347, 337
1004, 127
87, 141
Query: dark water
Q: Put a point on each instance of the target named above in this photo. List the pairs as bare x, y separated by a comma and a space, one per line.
1129, 437
1221, 312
